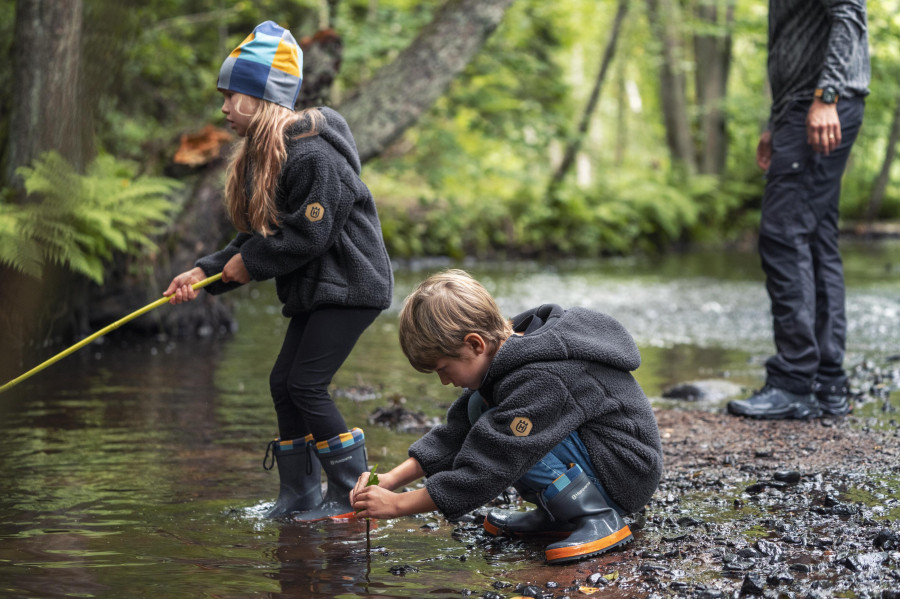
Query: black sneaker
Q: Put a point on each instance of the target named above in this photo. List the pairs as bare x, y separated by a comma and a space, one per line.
773, 403
834, 400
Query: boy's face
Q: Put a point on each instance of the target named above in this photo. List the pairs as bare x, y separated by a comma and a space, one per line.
469, 368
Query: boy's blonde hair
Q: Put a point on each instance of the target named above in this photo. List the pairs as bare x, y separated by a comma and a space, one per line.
442, 310
263, 152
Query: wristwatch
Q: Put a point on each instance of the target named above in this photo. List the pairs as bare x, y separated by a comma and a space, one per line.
827, 94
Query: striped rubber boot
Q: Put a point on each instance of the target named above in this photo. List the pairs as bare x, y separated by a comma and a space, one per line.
299, 473
343, 459
598, 527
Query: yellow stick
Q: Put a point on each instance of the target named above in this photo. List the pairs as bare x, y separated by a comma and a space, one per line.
102, 332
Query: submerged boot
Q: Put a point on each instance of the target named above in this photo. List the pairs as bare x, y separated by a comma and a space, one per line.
598, 527
343, 458
300, 475
536, 521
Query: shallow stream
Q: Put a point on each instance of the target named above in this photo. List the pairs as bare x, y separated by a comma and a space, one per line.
133, 468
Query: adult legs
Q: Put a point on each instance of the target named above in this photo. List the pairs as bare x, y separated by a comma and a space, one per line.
798, 247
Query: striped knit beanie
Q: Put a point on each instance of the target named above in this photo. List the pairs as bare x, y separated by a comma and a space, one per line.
267, 65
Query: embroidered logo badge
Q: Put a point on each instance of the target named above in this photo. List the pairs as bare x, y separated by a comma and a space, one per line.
315, 212
520, 426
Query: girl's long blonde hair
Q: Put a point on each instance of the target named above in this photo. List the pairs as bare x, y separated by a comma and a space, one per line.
260, 155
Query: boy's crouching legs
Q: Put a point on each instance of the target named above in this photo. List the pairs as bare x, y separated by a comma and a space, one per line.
597, 526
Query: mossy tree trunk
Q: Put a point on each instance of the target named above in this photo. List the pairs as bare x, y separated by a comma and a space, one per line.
397, 95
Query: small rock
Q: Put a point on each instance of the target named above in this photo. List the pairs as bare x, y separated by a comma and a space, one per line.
753, 585
886, 539
788, 476
779, 578
530, 591
402, 570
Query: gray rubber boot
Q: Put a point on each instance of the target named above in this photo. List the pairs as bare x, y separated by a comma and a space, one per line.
299, 473
343, 459
598, 527
533, 522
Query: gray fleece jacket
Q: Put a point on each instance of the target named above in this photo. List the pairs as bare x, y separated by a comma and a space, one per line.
569, 373
328, 248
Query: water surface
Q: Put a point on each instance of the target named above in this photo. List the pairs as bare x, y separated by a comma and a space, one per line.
133, 468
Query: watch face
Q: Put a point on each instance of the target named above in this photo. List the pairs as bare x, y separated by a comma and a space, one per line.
829, 95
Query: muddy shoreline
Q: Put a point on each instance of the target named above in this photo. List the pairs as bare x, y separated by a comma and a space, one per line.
746, 507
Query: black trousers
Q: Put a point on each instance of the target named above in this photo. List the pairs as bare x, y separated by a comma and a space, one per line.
315, 346
798, 246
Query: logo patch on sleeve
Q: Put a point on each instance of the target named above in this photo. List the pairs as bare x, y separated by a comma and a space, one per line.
315, 212
520, 426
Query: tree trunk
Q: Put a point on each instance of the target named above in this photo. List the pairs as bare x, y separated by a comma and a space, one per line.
397, 95
574, 145
884, 176
665, 25
712, 54
48, 112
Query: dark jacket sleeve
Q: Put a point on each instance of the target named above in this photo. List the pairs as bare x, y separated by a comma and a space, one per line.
847, 52
315, 207
215, 262
437, 449
492, 457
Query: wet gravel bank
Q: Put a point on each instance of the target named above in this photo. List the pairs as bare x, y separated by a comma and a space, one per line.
747, 507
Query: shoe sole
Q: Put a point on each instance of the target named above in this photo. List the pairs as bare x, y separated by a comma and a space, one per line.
795, 413
562, 555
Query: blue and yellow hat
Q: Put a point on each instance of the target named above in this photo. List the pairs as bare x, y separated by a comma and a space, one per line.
267, 65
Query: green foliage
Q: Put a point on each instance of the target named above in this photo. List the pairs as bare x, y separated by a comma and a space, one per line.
79, 221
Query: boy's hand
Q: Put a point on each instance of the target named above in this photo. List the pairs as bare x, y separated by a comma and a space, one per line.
375, 502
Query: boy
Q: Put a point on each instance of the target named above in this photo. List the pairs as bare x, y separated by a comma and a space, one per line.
548, 406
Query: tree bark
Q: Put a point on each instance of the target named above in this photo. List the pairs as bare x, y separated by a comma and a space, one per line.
574, 144
665, 25
48, 112
712, 54
395, 98
878, 191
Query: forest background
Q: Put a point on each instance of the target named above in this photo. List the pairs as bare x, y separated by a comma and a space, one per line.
489, 129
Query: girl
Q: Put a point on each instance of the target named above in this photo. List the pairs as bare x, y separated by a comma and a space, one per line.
307, 220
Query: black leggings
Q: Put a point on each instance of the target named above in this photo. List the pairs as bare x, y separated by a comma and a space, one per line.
315, 346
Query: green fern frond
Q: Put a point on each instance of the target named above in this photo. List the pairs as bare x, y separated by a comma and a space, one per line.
80, 221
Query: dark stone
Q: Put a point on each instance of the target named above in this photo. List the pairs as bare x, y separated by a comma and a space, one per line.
779, 578
689, 521
886, 539
753, 585
756, 489
402, 570
501, 584
787, 476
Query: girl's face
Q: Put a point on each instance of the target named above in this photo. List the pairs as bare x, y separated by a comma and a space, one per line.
238, 110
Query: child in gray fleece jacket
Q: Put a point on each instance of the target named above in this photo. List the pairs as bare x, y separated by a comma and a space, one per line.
548, 405
306, 220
